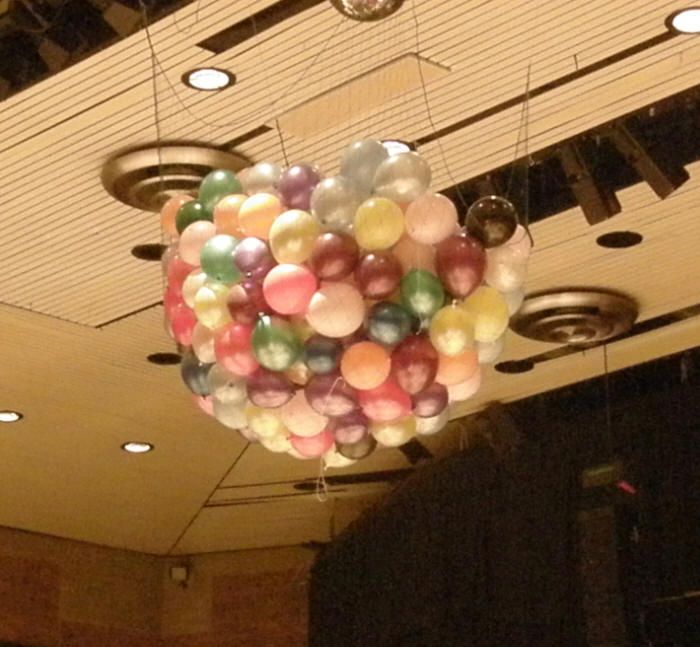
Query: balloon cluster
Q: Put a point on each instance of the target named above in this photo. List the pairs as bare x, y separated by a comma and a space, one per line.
320, 317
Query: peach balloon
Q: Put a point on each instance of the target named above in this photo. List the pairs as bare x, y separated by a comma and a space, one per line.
203, 343
465, 390
365, 365
300, 418
226, 214
414, 256
257, 213
430, 218
193, 238
386, 402
312, 446
453, 370
169, 212
336, 310
288, 288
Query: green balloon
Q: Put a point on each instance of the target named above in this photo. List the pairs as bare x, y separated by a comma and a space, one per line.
422, 293
216, 259
275, 345
190, 212
216, 185
389, 323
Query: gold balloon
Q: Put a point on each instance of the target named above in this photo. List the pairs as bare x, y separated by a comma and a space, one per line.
395, 432
379, 223
452, 330
265, 423
210, 305
257, 213
490, 312
292, 236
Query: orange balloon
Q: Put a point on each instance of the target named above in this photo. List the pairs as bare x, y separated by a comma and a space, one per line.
414, 256
169, 212
365, 365
465, 390
257, 213
226, 214
457, 369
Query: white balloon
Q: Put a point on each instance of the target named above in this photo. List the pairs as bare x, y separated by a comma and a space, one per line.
230, 415
402, 177
489, 352
333, 458
360, 162
226, 387
429, 426
277, 444
262, 178
334, 202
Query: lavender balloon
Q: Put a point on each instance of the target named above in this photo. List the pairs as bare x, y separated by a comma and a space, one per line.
296, 184
269, 389
349, 429
253, 258
330, 395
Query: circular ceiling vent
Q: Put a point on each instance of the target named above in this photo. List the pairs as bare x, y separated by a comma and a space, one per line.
146, 177
577, 316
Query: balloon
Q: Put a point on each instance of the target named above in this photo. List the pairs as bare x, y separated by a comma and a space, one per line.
430, 426
245, 432
388, 323
269, 389
177, 272
452, 330
182, 323
262, 178
514, 300
334, 202
292, 236
322, 354
275, 345
422, 293
195, 280
378, 224
492, 220
296, 184
225, 386
466, 389
402, 177
230, 415
333, 256
191, 211
257, 213
205, 403
217, 184
278, 444
172, 301
312, 446
490, 313
335, 309
232, 345
388, 401
489, 352
194, 373
226, 214
330, 395
193, 239
358, 450
216, 258
168, 213
414, 364
431, 218
360, 162
453, 370
414, 256
288, 288
300, 418
505, 276
245, 301
203, 343
378, 274
350, 428
253, 258
394, 433
460, 262
210, 305
333, 458
365, 365
518, 247
265, 423
430, 402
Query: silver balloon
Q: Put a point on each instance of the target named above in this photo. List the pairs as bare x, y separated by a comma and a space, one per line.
334, 202
505, 276
226, 387
430, 426
360, 162
367, 10
489, 352
402, 177
231, 415
514, 300
262, 178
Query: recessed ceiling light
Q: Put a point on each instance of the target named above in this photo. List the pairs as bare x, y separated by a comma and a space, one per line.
515, 366
164, 359
137, 447
148, 251
396, 146
619, 239
10, 416
208, 79
685, 21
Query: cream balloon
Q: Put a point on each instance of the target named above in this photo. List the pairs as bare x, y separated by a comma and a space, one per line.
431, 218
336, 310
203, 343
395, 432
430, 426
210, 305
300, 418
230, 415
292, 236
193, 238
334, 459
464, 390
225, 386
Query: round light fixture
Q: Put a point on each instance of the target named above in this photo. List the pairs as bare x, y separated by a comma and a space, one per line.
208, 79
396, 146
685, 21
10, 416
137, 447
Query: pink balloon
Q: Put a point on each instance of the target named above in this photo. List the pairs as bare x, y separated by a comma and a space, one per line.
177, 273
288, 288
414, 256
182, 323
205, 403
172, 300
336, 310
387, 402
233, 349
431, 218
193, 238
300, 418
312, 446
465, 390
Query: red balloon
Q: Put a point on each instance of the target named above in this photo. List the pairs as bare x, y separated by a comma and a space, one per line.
350, 428
245, 301
177, 273
334, 256
431, 401
414, 364
233, 349
460, 261
269, 389
172, 300
312, 446
182, 323
387, 402
378, 274
330, 395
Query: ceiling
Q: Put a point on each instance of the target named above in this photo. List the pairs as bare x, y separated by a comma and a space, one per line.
78, 316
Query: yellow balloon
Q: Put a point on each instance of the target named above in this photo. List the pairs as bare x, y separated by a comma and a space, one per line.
210, 305
379, 223
452, 330
395, 432
195, 280
292, 236
490, 312
265, 423
276, 444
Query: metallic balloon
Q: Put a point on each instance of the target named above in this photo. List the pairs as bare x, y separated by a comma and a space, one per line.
190, 212
360, 449
378, 274
262, 178
253, 257
430, 426
245, 302
492, 220
216, 185
216, 259
389, 323
275, 345
360, 162
350, 428
269, 389
225, 386
460, 262
431, 401
367, 10
422, 293
230, 415
296, 184
334, 202
334, 256
322, 354
194, 373
414, 364
402, 178
330, 395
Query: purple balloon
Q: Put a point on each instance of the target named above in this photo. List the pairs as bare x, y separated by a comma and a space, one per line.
245, 302
268, 389
253, 258
330, 395
296, 185
350, 428
430, 402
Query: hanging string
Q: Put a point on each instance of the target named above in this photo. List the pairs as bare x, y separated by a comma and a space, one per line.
194, 24
321, 485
